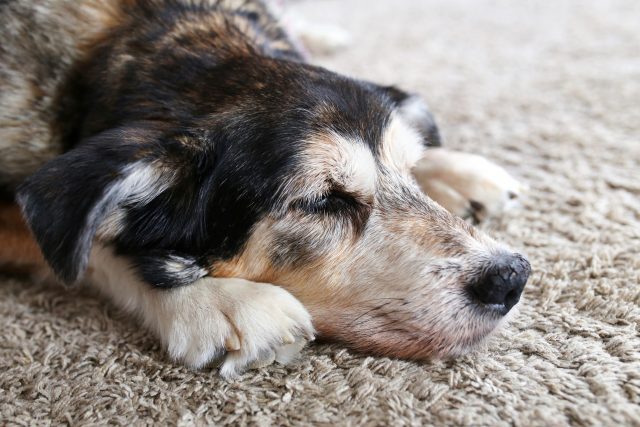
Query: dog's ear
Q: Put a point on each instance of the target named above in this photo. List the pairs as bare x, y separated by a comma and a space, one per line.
66, 200
416, 112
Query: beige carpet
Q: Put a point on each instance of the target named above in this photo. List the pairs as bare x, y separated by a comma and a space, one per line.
550, 89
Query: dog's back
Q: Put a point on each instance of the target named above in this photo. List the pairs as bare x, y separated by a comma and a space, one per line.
40, 42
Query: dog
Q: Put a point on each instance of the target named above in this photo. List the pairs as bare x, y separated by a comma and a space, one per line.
182, 157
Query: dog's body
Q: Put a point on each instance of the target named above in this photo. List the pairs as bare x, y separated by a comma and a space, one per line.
180, 155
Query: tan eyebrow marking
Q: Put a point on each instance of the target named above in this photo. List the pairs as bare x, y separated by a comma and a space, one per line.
334, 160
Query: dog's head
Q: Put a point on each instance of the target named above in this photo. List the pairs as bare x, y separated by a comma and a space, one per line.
288, 174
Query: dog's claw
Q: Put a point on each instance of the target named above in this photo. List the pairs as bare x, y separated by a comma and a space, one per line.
288, 338
232, 343
287, 353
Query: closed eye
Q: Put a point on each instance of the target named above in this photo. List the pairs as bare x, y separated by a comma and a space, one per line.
332, 202
338, 205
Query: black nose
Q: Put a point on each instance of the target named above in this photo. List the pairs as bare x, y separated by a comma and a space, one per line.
502, 284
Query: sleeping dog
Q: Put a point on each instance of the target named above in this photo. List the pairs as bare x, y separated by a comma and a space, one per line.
182, 157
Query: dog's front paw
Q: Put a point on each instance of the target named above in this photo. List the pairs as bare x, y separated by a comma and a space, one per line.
467, 185
239, 323
269, 324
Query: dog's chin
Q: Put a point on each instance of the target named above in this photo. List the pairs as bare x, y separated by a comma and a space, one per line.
491, 320
472, 331
408, 335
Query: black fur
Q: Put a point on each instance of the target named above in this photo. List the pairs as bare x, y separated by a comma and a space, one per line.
166, 269
220, 115
64, 202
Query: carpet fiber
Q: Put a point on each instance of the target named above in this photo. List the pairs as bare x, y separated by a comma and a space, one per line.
551, 90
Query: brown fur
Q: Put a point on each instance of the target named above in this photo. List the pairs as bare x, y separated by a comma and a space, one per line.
18, 250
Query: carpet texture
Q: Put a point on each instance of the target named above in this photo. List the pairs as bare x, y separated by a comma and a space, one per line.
551, 90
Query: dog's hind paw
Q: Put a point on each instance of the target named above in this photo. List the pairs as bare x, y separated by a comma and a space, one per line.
467, 185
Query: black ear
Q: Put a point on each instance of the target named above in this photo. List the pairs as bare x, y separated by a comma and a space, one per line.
416, 112
66, 200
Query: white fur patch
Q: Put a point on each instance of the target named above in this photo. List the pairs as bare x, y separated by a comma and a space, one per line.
141, 183
358, 167
414, 110
402, 145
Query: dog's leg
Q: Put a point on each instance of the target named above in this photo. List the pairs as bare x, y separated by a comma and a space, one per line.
242, 324
467, 185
